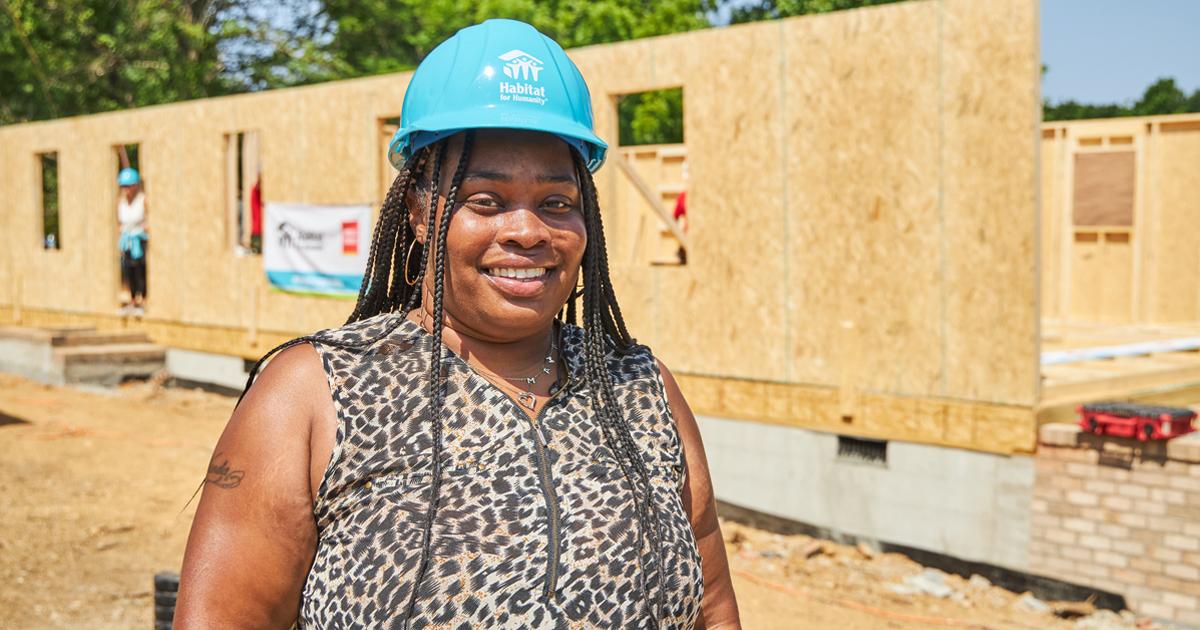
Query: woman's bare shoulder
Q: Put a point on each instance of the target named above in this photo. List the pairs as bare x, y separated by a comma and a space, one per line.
293, 381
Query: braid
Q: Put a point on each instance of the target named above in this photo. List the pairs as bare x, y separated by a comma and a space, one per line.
385, 288
435, 178
571, 310
393, 205
604, 327
614, 322
437, 390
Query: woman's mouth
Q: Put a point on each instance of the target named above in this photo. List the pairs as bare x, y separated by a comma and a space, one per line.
518, 281
515, 273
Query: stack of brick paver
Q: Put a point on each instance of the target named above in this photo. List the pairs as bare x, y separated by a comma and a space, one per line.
1121, 516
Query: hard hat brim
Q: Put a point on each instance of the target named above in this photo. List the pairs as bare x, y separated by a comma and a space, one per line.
430, 129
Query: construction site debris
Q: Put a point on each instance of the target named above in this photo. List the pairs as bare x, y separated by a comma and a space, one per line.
1033, 604
894, 587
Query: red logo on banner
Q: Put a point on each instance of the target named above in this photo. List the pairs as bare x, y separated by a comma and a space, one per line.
349, 237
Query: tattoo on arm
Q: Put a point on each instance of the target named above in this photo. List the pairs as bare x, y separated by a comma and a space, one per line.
222, 475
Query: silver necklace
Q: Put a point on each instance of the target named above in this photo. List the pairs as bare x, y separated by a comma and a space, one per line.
546, 369
525, 398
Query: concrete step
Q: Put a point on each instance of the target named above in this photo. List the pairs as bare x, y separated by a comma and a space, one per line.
97, 338
72, 354
108, 364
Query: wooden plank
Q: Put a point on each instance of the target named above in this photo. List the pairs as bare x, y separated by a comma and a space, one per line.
1122, 385
231, 190
648, 196
977, 426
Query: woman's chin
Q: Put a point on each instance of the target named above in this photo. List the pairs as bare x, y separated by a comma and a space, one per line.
502, 319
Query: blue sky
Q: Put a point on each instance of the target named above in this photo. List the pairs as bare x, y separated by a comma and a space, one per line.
1108, 51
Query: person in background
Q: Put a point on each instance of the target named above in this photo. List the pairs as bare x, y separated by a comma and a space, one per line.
131, 215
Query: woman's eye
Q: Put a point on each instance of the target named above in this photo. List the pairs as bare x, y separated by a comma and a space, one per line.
558, 205
483, 202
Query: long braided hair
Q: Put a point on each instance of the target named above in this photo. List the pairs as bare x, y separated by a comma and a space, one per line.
385, 289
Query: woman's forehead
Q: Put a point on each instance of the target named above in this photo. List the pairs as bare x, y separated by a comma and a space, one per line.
518, 151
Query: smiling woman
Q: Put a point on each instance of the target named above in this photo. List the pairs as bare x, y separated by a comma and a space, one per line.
482, 444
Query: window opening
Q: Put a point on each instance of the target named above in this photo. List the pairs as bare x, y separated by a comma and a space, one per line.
243, 192
652, 117
653, 158
51, 237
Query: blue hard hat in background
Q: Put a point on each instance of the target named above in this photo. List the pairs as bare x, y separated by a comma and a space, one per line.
128, 177
498, 74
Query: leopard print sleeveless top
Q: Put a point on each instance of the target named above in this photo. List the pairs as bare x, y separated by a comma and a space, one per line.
536, 526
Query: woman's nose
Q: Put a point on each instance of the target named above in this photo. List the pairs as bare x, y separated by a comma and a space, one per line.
525, 228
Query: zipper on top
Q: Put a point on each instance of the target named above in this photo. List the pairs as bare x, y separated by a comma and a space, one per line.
551, 497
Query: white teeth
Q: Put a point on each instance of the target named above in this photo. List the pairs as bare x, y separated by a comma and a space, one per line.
507, 272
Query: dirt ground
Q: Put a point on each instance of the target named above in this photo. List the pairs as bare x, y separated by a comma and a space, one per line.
94, 483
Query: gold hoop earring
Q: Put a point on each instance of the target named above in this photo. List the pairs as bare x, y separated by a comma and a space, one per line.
407, 258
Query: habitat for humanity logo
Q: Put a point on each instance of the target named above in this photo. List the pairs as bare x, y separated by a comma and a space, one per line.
521, 66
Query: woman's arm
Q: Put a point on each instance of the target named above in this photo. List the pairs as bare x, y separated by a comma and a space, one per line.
253, 538
720, 605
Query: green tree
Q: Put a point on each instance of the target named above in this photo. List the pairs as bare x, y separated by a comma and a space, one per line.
1162, 97
374, 36
277, 44
71, 57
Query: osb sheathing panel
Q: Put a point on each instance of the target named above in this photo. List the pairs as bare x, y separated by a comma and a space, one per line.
1052, 224
1175, 199
862, 201
1102, 273
991, 111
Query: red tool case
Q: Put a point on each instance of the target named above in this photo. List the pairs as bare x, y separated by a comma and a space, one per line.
1131, 420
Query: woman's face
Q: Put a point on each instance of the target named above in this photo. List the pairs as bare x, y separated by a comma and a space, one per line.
517, 237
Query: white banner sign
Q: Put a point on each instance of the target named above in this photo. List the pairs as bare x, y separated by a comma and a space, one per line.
316, 250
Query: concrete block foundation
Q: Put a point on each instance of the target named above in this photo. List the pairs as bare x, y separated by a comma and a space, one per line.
969, 505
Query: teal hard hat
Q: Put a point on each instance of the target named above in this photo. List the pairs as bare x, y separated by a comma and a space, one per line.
128, 177
499, 74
